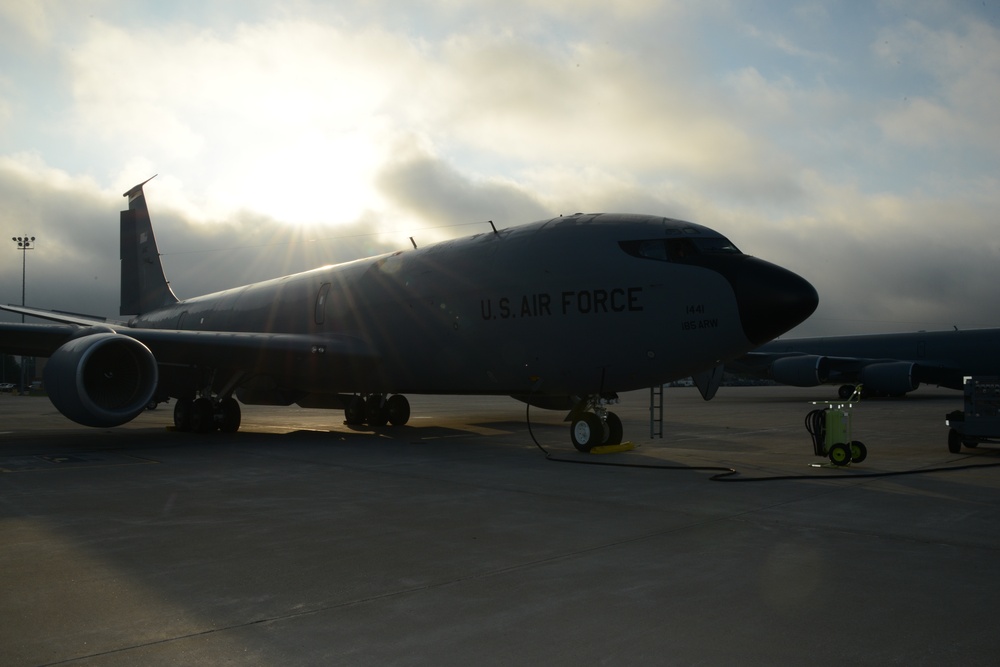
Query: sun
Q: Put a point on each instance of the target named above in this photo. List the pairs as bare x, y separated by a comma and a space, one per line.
308, 180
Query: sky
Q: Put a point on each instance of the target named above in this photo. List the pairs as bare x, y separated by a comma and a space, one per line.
855, 143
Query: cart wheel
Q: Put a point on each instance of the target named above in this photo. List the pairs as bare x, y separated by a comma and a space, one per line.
840, 454
858, 451
954, 441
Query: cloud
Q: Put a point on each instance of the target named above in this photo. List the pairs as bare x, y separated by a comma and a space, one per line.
74, 265
857, 147
436, 192
64, 213
964, 62
27, 20
582, 103
264, 115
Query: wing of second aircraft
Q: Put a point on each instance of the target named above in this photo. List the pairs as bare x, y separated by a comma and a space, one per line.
883, 363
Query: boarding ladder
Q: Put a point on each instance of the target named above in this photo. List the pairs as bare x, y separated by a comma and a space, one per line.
656, 411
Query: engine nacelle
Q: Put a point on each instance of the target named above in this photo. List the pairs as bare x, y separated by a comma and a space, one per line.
807, 370
891, 377
101, 378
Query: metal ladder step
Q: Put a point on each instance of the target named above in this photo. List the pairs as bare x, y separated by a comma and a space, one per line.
656, 412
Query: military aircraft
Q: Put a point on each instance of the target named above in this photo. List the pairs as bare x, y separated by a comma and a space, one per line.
884, 364
561, 313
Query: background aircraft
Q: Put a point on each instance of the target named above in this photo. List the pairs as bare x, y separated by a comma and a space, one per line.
561, 313
885, 364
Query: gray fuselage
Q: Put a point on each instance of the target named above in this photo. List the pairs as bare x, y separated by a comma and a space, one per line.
572, 305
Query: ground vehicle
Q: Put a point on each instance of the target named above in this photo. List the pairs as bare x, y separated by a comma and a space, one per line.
830, 429
979, 420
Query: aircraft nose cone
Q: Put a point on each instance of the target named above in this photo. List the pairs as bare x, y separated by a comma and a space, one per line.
771, 299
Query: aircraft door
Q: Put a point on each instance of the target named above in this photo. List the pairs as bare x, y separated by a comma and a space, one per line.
321, 298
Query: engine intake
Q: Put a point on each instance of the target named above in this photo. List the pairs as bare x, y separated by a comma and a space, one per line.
807, 370
101, 379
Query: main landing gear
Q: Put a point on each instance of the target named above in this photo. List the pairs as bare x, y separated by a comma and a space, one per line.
204, 414
593, 425
377, 410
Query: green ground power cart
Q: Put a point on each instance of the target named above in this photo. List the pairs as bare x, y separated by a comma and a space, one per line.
830, 428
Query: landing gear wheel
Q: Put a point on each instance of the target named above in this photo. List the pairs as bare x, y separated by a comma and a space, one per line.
587, 432
182, 414
399, 409
354, 411
229, 415
858, 451
203, 415
376, 411
614, 429
845, 391
840, 454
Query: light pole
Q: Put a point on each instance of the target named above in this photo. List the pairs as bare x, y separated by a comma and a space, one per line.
24, 244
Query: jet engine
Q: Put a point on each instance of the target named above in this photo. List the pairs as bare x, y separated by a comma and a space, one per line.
101, 378
891, 377
807, 370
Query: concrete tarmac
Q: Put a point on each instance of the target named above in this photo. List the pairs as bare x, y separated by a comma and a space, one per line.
454, 541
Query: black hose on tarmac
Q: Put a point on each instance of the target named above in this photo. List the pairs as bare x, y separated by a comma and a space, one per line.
725, 474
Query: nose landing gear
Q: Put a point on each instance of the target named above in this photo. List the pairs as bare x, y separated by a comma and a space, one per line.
593, 425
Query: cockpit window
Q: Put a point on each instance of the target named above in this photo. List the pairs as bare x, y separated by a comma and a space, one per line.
656, 249
717, 244
679, 249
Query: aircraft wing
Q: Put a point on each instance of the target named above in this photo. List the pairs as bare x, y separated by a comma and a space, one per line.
57, 316
33, 340
240, 350
221, 349
812, 369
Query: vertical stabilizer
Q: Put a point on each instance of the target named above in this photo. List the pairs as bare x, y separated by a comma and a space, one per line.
144, 287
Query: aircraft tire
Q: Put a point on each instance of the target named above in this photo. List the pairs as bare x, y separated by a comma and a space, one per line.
202, 415
845, 391
354, 411
840, 454
376, 411
399, 409
614, 429
858, 451
182, 414
229, 411
586, 432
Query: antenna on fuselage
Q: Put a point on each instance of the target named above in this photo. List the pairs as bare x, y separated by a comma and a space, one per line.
413, 242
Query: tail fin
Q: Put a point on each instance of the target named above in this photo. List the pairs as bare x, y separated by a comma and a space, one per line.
144, 288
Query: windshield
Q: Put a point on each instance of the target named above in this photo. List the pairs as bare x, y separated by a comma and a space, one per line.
679, 250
